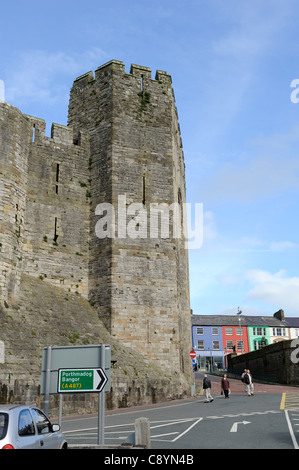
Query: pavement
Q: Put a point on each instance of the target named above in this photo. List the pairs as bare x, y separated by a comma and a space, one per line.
237, 386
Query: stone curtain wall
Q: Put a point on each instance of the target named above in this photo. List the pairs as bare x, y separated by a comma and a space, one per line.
45, 198
14, 152
57, 215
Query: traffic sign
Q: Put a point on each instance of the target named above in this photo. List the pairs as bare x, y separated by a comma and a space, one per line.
81, 380
192, 354
73, 357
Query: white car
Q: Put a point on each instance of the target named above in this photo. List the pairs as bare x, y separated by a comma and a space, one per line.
27, 427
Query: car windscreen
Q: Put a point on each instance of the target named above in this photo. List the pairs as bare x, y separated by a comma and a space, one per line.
3, 424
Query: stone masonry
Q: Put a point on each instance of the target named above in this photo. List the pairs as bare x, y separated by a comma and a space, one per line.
122, 147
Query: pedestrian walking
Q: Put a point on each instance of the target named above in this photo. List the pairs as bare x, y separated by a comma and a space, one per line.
206, 385
248, 383
225, 388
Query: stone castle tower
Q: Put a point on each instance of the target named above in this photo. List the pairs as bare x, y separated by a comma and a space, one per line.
120, 156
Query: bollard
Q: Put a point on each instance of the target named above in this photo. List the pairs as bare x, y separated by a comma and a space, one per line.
143, 433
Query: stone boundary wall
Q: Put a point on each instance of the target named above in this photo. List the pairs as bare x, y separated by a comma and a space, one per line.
123, 394
274, 363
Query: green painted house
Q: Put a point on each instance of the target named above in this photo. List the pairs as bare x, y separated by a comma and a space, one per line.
258, 336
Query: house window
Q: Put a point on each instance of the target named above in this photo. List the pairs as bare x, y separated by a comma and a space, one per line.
200, 344
258, 345
259, 331
229, 344
229, 331
240, 346
199, 331
239, 332
215, 331
216, 345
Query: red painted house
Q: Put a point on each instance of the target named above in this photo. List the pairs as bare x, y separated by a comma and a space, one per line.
235, 339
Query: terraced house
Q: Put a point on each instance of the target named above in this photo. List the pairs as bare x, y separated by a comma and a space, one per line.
216, 336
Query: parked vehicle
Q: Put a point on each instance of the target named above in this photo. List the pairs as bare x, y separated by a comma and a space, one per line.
27, 427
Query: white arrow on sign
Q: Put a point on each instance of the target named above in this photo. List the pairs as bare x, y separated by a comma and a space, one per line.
99, 380
234, 427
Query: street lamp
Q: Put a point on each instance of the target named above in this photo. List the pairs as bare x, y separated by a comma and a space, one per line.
239, 318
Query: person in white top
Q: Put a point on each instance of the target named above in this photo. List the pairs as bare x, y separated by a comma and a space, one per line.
248, 383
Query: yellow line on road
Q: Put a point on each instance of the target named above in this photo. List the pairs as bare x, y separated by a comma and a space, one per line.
289, 401
283, 398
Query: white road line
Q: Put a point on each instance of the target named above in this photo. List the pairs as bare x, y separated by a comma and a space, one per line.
187, 430
162, 435
295, 443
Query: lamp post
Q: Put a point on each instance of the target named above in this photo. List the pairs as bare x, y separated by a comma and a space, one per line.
239, 318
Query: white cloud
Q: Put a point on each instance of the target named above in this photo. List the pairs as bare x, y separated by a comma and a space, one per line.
41, 76
276, 289
261, 177
268, 168
283, 246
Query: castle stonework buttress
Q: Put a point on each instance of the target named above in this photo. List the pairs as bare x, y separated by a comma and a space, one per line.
121, 151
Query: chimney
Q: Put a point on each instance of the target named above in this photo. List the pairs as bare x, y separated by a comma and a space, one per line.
279, 315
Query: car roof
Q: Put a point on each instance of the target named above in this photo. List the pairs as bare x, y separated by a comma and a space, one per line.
11, 407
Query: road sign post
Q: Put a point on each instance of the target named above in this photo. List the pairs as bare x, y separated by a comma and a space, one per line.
192, 354
75, 369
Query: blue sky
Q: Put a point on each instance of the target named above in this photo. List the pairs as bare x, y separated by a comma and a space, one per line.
232, 63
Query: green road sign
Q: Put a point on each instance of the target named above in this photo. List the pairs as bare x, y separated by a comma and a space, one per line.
81, 380
89, 357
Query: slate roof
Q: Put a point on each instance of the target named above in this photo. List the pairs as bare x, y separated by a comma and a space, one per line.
233, 320
292, 322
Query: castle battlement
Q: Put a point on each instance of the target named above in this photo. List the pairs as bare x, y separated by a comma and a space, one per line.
60, 134
118, 67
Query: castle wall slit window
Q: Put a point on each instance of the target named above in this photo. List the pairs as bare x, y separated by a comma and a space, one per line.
141, 83
57, 177
33, 133
55, 230
143, 190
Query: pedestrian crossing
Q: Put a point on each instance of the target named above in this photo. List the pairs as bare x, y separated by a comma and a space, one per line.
289, 401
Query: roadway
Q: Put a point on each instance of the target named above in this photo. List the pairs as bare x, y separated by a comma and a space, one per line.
267, 420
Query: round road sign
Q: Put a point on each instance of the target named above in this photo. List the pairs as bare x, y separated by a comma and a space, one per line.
192, 354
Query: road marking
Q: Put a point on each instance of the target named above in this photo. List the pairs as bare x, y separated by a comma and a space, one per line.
295, 443
289, 400
187, 430
234, 427
243, 414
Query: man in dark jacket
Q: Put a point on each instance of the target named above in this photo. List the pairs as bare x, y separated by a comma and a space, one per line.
206, 385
